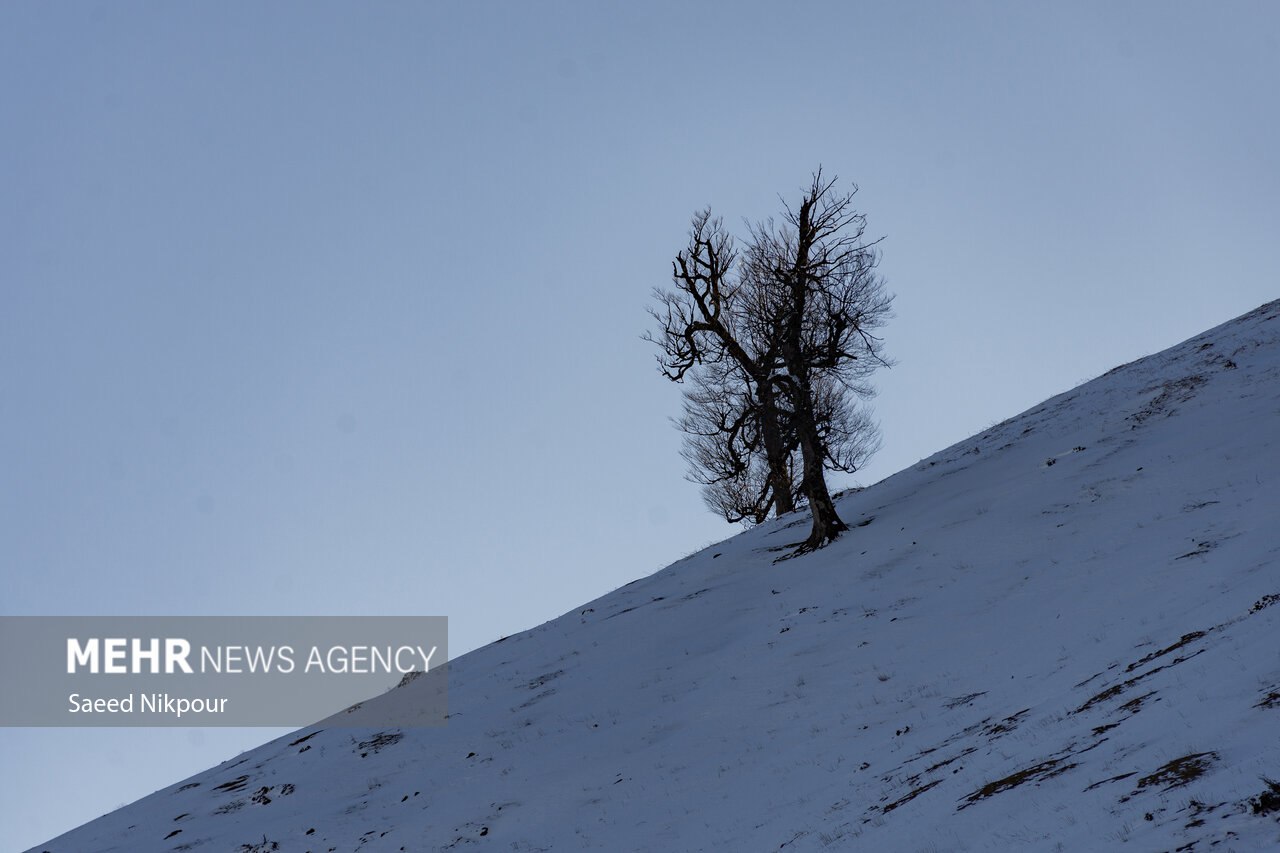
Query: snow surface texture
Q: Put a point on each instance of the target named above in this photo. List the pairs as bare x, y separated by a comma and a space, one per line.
1057, 635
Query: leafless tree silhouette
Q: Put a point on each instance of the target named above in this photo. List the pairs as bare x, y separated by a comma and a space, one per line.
779, 343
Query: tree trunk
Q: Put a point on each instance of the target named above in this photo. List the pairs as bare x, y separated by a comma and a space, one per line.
774, 450
827, 524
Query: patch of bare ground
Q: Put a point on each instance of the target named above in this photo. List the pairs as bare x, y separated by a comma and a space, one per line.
1271, 699
1171, 393
1116, 689
910, 795
1179, 771
1184, 640
1035, 773
1119, 778
1268, 802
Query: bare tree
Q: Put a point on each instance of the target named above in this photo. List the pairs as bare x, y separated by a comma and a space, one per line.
706, 322
779, 344
816, 276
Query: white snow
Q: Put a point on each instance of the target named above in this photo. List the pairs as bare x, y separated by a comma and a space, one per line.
1055, 635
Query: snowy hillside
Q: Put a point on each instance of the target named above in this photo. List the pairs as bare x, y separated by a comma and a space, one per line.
1056, 635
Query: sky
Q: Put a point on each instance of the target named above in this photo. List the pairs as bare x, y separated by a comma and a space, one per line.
337, 309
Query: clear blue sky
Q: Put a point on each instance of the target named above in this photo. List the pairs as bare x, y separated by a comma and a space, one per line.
315, 308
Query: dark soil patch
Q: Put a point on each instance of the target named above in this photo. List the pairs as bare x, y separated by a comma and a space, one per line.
1185, 639
959, 701
1006, 725
1119, 778
1264, 602
951, 760
1268, 802
1180, 771
233, 785
1116, 689
378, 742
1134, 705
1171, 393
1035, 773
911, 795
1270, 700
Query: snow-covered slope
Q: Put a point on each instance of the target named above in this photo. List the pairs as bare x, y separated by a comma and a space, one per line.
1057, 635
